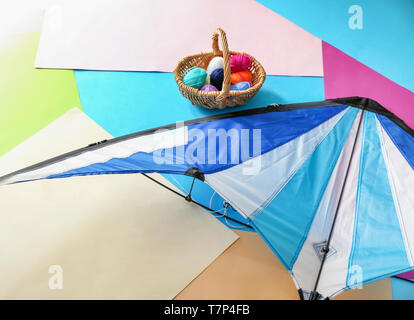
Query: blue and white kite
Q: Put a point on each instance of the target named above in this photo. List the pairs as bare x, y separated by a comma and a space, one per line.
328, 185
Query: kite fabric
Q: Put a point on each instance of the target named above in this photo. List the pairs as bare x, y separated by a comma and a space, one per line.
325, 184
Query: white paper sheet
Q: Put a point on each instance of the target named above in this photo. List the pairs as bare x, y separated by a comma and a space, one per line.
142, 35
114, 236
18, 16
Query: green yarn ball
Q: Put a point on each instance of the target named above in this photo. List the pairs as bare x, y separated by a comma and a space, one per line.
195, 77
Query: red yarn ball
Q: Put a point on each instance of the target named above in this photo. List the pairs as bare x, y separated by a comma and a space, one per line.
239, 62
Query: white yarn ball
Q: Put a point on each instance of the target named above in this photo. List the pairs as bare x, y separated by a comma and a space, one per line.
215, 63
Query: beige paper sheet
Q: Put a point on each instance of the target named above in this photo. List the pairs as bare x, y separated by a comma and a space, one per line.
250, 270
115, 237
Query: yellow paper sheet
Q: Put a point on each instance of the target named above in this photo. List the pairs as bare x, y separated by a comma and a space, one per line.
101, 237
30, 98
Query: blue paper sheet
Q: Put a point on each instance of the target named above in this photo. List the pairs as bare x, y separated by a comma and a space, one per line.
384, 43
402, 289
125, 102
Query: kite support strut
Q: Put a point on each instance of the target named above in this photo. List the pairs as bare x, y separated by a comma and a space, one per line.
197, 203
188, 196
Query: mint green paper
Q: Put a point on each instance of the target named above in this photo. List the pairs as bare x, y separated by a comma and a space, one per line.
30, 98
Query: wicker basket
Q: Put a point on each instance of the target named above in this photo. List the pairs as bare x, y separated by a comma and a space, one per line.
225, 97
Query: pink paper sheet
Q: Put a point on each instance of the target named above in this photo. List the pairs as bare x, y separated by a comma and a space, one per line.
142, 35
345, 76
407, 275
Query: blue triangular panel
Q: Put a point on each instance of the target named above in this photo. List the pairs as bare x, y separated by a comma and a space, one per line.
402, 139
378, 247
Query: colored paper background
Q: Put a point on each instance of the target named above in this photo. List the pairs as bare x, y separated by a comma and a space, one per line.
143, 35
407, 275
125, 102
344, 77
29, 98
402, 290
384, 44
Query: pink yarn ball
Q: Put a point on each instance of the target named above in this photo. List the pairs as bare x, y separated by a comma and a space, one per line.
208, 88
239, 62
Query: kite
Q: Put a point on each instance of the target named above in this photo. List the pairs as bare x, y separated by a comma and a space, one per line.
325, 184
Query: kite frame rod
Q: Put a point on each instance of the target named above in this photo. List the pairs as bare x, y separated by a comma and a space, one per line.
314, 293
404, 279
358, 102
189, 199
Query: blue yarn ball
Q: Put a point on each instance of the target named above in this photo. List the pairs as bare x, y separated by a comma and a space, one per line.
240, 86
217, 77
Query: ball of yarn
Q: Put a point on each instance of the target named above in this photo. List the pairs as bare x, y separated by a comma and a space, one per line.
195, 77
215, 63
208, 88
240, 62
240, 76
240, 86
207, 79
216, 78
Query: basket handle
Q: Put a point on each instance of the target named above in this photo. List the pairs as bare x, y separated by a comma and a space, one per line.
226, 57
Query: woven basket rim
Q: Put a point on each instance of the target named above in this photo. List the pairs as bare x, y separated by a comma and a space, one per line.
232, 93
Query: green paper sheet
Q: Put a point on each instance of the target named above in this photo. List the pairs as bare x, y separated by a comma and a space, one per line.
30, 98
